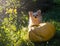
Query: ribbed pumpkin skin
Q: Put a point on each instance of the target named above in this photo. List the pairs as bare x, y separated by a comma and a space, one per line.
44, 32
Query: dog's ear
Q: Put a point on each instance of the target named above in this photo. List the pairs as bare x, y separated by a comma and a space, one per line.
39, 12
30, 13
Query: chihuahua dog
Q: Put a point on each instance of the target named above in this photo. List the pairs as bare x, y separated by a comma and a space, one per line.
35, 18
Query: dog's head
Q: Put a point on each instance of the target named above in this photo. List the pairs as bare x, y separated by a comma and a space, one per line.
35, 17
35, 14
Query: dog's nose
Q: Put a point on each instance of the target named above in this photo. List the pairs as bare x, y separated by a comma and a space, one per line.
35, 16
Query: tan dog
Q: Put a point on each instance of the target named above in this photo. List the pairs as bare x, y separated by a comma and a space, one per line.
34, 19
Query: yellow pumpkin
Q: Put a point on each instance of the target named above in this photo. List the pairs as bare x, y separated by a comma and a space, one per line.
43, 32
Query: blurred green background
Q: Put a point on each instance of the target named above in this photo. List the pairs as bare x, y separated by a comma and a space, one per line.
14, 21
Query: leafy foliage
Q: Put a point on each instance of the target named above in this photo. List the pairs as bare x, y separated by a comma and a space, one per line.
57, 1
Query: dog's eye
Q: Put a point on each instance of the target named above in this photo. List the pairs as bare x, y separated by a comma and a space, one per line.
36, 15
